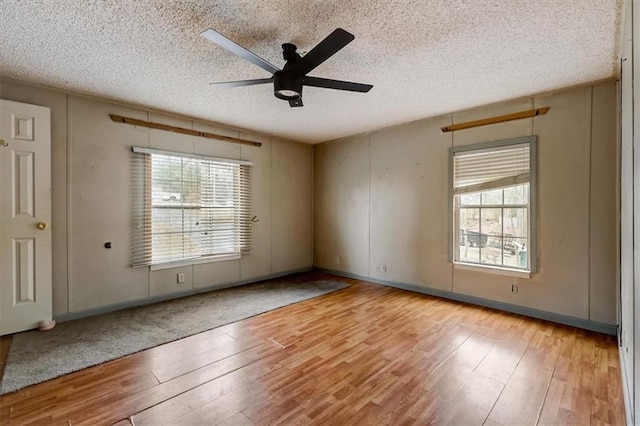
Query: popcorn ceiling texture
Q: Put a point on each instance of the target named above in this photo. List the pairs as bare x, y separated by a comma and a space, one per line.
424, 57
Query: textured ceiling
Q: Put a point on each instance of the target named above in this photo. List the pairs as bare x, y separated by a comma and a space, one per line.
424, 57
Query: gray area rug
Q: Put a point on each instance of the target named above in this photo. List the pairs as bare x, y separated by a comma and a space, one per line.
37, 356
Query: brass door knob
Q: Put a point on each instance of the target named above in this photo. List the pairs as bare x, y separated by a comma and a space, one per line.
3, 142
41, 226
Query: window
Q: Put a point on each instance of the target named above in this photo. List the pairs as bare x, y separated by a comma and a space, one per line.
492, 200
189, 207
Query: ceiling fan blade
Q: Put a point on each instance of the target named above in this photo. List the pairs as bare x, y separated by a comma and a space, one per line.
295, 102
243, 82
336, 84
324, 50
238, 50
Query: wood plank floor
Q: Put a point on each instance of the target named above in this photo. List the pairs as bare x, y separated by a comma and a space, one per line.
367, 355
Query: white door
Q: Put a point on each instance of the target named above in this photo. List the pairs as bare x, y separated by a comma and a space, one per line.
25, 216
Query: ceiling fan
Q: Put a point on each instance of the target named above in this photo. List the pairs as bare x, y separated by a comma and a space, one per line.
288, 81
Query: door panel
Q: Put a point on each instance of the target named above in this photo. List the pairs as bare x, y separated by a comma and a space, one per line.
23, 192
25, 215
24, 271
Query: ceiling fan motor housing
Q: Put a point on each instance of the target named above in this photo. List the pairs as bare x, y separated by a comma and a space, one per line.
287, 85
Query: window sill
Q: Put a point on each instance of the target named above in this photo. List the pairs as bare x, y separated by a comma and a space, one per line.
517, 273
189, 262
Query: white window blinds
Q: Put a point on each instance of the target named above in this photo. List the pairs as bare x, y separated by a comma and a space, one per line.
189, 207
481, 170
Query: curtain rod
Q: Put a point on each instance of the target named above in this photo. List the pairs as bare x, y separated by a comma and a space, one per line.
494, 120
152, 125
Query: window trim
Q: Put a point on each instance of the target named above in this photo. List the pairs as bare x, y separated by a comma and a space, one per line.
195, 260
187, 155
533, 208
492, 269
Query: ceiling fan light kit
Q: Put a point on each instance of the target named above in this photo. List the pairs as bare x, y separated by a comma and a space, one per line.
288, 81
287, 86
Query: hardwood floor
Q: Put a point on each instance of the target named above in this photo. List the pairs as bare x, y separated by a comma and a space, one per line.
368, 354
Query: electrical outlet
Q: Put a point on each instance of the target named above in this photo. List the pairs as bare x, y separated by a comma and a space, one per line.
514, 288
378, 268
384, 268
337, 260
181, 278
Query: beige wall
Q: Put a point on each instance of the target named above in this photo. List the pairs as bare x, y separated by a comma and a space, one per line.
381, 199
91, 187
378, 198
